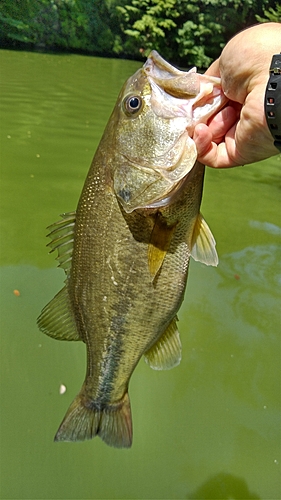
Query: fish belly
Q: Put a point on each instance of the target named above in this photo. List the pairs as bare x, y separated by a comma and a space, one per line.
121, 310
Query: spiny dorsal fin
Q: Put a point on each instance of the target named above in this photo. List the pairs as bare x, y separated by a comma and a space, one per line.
159, 244
56, 319
166, 352
62, 234
203, 244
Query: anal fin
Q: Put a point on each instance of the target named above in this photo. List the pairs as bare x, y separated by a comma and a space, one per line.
166, 352
56, 319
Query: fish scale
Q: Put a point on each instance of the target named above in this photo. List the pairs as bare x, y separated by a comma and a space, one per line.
127, 248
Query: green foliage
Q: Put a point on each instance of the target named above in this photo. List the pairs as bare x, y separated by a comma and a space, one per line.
187, 32
64, 24
13, 29
14, 26
147, 25
206, 25
273, 14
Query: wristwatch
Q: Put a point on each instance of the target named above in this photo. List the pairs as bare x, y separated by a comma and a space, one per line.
272, 100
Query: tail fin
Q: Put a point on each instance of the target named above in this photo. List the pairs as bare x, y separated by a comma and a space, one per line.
83, 421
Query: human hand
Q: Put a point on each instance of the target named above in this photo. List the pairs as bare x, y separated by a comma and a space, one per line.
239, 134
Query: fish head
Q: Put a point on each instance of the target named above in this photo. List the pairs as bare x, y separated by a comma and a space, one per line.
155, 116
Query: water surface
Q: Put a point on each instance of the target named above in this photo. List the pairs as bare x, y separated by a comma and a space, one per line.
209, 428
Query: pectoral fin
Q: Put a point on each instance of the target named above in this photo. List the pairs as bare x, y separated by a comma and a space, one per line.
56, 319
166, 353
159, 244
203, 244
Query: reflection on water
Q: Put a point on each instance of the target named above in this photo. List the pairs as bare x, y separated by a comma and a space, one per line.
255, 298
210, 428
223, 486
266, 226
256, 269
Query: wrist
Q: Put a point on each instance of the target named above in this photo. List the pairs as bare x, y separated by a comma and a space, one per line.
272, 100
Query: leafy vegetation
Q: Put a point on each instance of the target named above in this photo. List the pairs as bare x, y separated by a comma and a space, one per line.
187, 32
272, 14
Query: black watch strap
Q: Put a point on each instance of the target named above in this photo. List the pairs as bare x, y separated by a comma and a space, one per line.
272, 101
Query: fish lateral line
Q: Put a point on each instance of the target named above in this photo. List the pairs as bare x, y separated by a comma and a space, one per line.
137, 221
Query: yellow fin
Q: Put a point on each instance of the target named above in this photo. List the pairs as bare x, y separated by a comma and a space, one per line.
203, 245
56, 319
166, 352
159, 244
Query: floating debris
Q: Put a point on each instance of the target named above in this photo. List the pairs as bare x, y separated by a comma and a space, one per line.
62, 389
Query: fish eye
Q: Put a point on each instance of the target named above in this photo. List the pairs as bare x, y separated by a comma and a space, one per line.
132, 104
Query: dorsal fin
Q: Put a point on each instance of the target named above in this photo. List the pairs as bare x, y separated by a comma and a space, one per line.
56, 319
62, 234
203, 244
159, 244
166, 352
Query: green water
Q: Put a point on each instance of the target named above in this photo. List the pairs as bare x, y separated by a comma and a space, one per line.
210, 428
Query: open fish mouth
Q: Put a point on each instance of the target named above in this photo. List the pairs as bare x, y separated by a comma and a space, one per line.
180, 94
126, 275
173, 81
174, 102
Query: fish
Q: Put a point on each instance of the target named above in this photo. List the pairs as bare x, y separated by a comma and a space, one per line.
126, 249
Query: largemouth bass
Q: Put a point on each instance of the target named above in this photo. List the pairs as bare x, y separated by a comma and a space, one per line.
126, 250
